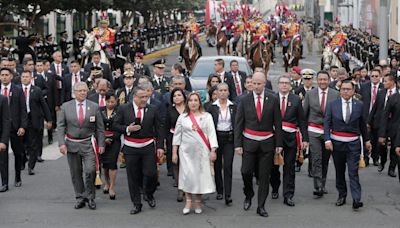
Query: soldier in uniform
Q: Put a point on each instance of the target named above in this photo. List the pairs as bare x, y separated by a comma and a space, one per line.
77, 43
122, 50
336, 41
64, 45
289, 31
295, 76
195, 30
160, 82
137, 44
105, 36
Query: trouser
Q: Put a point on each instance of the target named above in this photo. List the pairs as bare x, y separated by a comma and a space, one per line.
82, 165
289, 156
225, 154
347, 153
169, 151
33, 145
392, 154
376, 146
17, 147
265, 160
140, 164
320, 161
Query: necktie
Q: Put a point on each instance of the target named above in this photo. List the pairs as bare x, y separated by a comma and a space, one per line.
76, 78
101, 101
283, 107
347, 111
139, 113
5, 92
258, 107
58, 70
390, 92
323, 102
373, 95
26, 92
296, 83
81, 117
237, 85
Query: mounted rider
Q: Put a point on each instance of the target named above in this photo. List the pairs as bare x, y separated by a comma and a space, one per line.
261, 31
336, 40
194, 28
105, 35
290, 31
237, 29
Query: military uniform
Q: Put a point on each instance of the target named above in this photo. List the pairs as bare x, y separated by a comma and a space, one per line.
160, 82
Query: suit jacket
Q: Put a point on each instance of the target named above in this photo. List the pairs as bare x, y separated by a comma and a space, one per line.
94, 97
333, 120
375, 117
66, 91
5, 123
232, 86
271, 121
312, 107
124, 96
366, 97
214, 110
40, 82
268, 85
163, 87
52, 97
390, 117
38, 108
332, 85
294, 87
17, 107
151, 124
106, 70
32, 52
64, 69
67, 123
301, 92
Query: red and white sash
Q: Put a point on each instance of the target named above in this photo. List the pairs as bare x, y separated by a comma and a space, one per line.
257, 135
108, 134
199, 131
137, 143
316, 128
94, 146
292, 128
344, 136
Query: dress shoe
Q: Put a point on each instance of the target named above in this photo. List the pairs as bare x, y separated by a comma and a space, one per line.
50, 141
319, 193
309, 173
228, 201
105, 191
186, 211
4, 188
324, 191
289, 202
18, 184
136, 209
357, 204
151, 201
92, 204
31, 172
275, 195
169, 173
219, 197
112, 196
80, 204
262, 212
145, 198
23, 166
341, 201
376, 163
391, 173
247, 204
39, 159
380, 167
297, 169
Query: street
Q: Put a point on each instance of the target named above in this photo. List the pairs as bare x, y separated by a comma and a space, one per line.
47, 198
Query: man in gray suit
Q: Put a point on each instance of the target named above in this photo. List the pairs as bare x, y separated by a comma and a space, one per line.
79, 123
314, 108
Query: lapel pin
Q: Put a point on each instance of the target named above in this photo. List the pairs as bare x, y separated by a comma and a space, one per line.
289, 104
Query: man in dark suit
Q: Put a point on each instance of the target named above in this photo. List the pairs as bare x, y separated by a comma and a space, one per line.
238, 78
40, 82
248, 83
344, 123
314, 108
160, 82
96, 63
69, 80
341, 75
102, 89
376, 116
31, 49
369, 92
5, 126
268, 84
37, 111
397, 148
140, 124
19, 123
219, 68
59, 69
257, 137
293, 122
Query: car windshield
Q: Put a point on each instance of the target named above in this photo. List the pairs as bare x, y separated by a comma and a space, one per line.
206, 67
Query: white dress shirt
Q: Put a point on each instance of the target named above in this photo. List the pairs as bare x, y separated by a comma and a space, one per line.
224, 117
8, 89
73, 83
320, 95
256, 99
222, 76
83, 106
388, 92
236, 78
344, 106
28, 89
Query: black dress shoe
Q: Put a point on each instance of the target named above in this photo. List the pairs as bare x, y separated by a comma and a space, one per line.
18, 184
275, 195
219, 197
80, 204
319, 193
23, 166
324, 191
289, 202
92, 204
112, 196
341, 201
145, 198
228, 201
262, 212
357, 204
380, 167
105, 191
247, 204
50, 141
391, 173
31, 172
39, 159
4, 188
376, 163
309, 173
169, 173
136, 209
151, 201
297, 169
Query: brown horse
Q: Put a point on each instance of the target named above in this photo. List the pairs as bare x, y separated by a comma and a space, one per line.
293, 53
222, 42
262, 56
189, 51
211, 36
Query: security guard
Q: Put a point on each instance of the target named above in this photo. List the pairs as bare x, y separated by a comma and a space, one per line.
160, 82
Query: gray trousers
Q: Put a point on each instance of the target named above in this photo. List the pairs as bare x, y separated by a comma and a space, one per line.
320, 160
82, 165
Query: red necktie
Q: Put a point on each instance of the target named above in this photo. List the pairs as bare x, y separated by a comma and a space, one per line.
139, 113
323, 102
26, 92
283, 107
373, 95
237, 85
258, 108
101, 101
81, 117
5, 92
58, 72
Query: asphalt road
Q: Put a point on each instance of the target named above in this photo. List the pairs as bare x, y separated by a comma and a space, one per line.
47, 198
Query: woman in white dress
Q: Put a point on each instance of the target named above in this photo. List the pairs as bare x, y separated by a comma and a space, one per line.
196, 140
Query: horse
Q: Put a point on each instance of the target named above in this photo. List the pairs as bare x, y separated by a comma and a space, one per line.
293, 53
211, 36
329, 58
222, 42
189, 52
246, 42
261, 56
240, 46
90, 45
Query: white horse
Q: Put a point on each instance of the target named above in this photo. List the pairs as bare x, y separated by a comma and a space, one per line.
91, 45
330, 59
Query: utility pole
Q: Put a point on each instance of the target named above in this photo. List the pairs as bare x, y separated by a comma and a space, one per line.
322, 12
335, 9
383, 30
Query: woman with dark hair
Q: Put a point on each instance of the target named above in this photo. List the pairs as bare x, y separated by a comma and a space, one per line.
113, 145
178, 100
196, 140
213, 80
212, 97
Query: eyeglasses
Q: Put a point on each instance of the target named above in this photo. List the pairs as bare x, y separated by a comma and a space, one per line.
374, 76
284, 83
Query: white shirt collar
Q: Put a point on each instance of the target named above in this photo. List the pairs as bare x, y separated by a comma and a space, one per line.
281, 95
228, 102
344, 101
83, 102
6, 86
262, 95
320, 90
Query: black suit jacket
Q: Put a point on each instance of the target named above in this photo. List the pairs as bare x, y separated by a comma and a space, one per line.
151, 124
67, 89
268, 85
64, 69
38, 108
94, 97
41, 83
232, 86
163, 87
375, 116
106, 70
366, 96
390, 117
271, 121
214, 110
17, 107
5, 123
